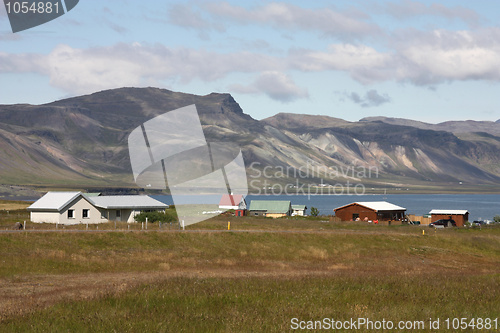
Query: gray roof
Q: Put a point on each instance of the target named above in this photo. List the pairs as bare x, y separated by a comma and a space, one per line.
54, 201
126, 202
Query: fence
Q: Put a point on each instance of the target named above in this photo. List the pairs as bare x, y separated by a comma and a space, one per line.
421, 219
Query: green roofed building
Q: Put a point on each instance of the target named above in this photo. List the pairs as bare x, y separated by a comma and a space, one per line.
270, 208
299, 210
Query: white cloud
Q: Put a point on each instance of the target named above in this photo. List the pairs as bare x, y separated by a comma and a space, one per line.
407, 9
416, 57
328, 21
365, 64
276, 85
191, 17
420, 58
88, 70
443, 56
371, 99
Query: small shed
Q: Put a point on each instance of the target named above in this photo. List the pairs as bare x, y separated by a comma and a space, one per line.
457, 215
270, 208
371, 210
299, 210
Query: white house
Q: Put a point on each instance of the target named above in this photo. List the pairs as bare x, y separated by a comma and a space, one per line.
77, 207
233, 201
298, 210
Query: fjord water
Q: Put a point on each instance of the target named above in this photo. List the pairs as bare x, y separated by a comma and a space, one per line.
480, 206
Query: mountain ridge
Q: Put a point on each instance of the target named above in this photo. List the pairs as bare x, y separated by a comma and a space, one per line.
83, 140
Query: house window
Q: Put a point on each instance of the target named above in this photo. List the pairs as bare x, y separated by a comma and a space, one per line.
71, 213
86, 213
118, 213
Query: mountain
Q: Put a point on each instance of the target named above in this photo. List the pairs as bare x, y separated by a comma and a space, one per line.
82, 142
457, 127
400, 150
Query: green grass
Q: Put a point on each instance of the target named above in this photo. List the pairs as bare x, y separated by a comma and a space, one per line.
268, 304
208, 279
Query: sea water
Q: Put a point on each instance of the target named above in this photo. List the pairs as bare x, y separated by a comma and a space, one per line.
480, 206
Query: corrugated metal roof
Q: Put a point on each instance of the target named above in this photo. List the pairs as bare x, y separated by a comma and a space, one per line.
299, 207
270, 206
376, 205
54, 201
127, 202
449, 211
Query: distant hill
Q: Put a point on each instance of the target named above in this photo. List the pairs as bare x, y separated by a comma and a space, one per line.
466, 126
82, 141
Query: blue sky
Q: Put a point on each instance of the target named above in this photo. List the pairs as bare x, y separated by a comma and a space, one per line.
426, 60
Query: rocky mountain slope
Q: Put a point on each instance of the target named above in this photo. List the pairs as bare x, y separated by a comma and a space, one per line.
82, 141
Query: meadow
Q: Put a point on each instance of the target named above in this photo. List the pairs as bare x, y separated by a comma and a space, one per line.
257, 276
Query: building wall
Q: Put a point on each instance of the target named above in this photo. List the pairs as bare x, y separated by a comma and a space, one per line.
124, 215
240, 212
44, 217
229, 207
298, 212
257, 213
346, 213
78, 205
459, 219
421, 219
275, 215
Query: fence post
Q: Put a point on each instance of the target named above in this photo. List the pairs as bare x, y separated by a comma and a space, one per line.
146, 223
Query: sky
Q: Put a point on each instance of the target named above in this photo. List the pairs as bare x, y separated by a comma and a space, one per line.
431, 61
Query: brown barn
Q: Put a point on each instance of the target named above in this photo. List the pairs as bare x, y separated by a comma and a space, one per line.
459, 216
372, 210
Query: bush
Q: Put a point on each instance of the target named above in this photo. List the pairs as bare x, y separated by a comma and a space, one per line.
496, 218
156, 217
314, 211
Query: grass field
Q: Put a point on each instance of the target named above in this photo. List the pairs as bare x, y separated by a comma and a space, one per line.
254, 278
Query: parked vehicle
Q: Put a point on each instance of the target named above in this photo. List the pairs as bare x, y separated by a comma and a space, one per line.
444, 223
479, 223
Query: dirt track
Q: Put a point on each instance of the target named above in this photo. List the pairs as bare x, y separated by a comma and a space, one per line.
23, 295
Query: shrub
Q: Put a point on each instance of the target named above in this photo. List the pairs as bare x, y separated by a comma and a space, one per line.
156, 217
496, 218
314, 211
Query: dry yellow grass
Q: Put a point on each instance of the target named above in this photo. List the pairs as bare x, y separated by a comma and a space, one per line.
13, 205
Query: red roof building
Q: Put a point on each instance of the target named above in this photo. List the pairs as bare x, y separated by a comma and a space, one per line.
233, 201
